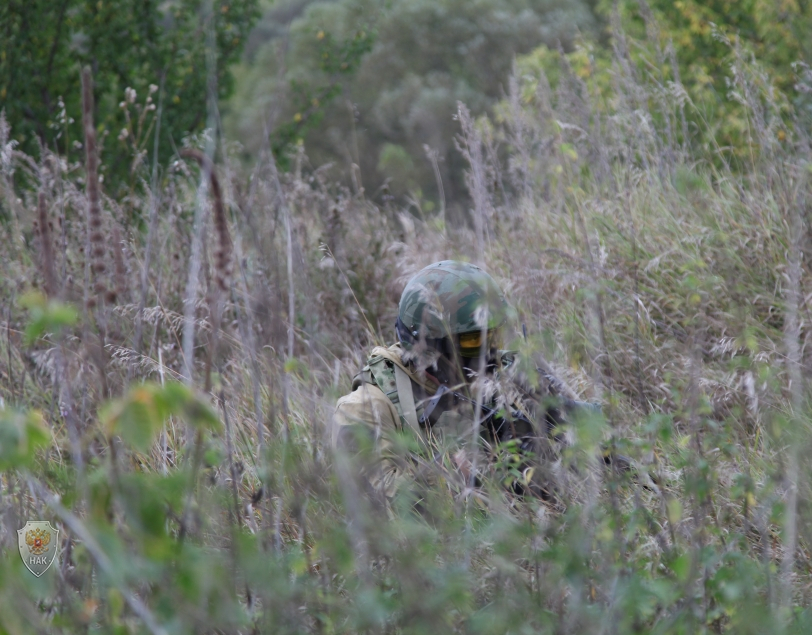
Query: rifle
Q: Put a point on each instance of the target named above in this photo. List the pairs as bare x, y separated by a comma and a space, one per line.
516, 416
506, 428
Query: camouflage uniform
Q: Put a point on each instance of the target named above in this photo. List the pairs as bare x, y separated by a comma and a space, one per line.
373, 408
446, 302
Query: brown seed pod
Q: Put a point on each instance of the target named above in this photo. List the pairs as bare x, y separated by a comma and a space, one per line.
222, 256
94, 214
43, 229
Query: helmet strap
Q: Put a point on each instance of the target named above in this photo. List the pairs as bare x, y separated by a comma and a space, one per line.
403, 334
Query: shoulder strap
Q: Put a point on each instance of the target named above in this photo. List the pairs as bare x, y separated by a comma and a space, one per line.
363, 377
406, 398
396, 385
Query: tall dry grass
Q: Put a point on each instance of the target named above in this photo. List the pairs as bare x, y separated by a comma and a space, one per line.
656, 278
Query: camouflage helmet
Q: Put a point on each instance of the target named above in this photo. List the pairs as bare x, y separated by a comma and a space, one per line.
448, 298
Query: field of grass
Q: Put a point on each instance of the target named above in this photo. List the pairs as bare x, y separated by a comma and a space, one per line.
170, 360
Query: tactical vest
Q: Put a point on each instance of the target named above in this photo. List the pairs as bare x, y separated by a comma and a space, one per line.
380, 371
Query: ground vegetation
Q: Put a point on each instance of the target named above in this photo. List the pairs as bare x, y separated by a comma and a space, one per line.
167, 383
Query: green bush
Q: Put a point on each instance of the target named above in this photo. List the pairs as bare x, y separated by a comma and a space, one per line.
129, 45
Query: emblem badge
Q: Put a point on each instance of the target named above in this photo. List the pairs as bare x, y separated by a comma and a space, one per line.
38, 543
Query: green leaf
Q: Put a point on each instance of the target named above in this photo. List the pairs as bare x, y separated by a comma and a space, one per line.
200, 415
136, 418
140, 415
21, 435
47, 316
681, 566
171, 398
674, 510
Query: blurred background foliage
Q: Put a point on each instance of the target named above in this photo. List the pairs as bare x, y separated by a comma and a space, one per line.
424, 57
367, 83
127, 44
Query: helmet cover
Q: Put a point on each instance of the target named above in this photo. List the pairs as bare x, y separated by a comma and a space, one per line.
448, 298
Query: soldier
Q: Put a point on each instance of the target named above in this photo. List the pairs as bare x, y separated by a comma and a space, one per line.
446, 380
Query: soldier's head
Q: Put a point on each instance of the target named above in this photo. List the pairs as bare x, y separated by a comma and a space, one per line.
450, 319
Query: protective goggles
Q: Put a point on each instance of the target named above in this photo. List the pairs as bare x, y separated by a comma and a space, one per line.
472, 344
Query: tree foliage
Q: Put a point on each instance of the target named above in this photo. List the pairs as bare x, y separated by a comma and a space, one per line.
426, 56
777, 32
127, 44
695, 42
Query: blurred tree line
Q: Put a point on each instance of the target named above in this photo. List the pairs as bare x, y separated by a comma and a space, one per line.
419, 58
128, 44
389, 110
366, 83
